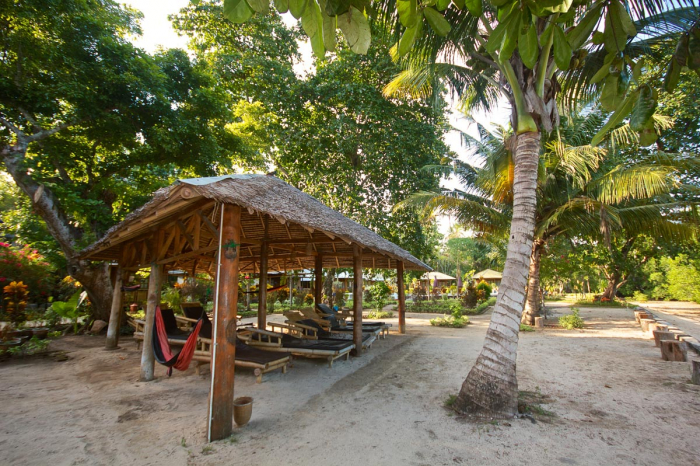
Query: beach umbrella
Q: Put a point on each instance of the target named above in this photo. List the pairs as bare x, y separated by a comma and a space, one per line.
459, 283
435, 283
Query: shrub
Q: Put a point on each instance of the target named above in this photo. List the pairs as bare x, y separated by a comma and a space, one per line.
309, 299
572, 320
526, 328
483, 306
15, 301
456, 320
26, 265
380, 315
419, 294
485, 287
379, 293
469, 298
639, 296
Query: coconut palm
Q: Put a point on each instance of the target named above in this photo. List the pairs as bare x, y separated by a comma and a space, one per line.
520, 50
582, 191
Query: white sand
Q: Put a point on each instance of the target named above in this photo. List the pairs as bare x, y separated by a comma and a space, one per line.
616, 402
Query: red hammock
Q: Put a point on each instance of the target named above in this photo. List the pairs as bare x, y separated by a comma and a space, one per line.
161, 347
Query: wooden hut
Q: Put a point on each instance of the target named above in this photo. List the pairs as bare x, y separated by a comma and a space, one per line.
489, 276
232, 224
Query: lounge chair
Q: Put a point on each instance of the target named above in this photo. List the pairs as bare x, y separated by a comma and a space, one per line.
336, 324
310, 329
261, 361
287, 343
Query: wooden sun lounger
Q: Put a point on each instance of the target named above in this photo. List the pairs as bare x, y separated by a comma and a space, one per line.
300, 330
202, 353
272, 341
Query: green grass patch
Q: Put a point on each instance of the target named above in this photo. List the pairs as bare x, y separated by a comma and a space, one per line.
592, 303
526, 328
450, 401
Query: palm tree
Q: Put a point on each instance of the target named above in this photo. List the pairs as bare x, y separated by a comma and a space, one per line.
582, 191
515, 48
519, 49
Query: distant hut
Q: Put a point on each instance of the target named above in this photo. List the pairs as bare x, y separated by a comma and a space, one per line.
489, 276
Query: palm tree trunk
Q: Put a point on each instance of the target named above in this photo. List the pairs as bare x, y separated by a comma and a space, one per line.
532, 303
491, 388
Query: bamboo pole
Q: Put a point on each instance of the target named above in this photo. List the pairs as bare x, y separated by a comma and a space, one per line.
402, 297
357, 299
225, 310
318, 280
262, 287
115, 314
147, 357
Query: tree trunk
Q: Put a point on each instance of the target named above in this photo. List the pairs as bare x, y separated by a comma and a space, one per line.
491, 388
611, 287
532, 303
94, 278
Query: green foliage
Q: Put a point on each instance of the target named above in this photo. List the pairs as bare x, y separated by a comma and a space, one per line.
470, 298
15, 302
380, 315
485, 305
526, 328
450, 321
33, 346
485, 288
69, 310
571, 321
437, 307
28, 266
674, 278
380, 292
640, 297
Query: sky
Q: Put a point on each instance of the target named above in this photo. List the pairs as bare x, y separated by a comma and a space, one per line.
158, 32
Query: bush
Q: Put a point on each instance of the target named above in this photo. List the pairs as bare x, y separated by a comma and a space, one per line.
483, 306
485, 287
639, 296
572, 320
419, 294
15, 302
526, 328
437, 307
309, 299
380, 315
469, 298
456, 320
26, 265
379, 292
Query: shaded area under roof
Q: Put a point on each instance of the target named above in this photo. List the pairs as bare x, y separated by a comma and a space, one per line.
179, 227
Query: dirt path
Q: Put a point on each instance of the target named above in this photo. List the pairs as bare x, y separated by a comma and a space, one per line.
615, 402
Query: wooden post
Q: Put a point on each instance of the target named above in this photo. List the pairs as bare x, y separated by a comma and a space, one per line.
539, 323
695, 372
318, 280
115, 313
262, 287
402, 297
224, 331
645, 324
147, 357
357, 298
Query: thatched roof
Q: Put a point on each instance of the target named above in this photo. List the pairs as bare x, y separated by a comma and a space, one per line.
488, 274
181, 221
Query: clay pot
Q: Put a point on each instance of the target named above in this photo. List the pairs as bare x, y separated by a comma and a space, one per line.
242, 410
133, 308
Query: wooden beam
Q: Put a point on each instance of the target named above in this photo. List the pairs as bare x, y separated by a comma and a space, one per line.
318, 278
112, 340
402, 297
164, 247
224, 331
189, 255
304, 241
186, 235
147, 357
208, 223
357, 299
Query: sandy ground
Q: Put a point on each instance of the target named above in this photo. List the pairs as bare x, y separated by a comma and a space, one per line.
615, 402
